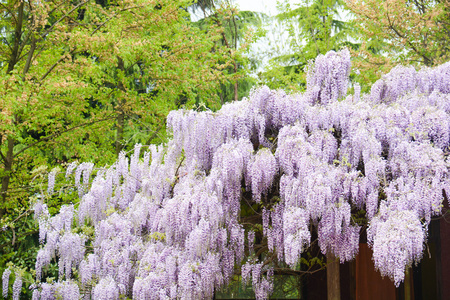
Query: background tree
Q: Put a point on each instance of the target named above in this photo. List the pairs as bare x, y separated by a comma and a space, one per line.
410, 32
240, 29
313, 27
93, 64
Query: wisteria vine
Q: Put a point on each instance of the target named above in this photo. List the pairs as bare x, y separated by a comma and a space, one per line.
169, 224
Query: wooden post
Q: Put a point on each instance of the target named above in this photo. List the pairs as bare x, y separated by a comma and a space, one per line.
333, 277
407, 284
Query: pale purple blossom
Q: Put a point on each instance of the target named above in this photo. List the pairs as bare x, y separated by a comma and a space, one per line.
106, 289
296, 233
262, 171
327, 78
51, 181
70, 168
398, 239
5, 282
17, 286
172, 224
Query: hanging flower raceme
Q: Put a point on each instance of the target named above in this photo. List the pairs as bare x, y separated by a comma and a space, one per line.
243, 189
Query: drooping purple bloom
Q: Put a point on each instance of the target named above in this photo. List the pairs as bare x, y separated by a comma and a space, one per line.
5, 282
174, 224
17, 287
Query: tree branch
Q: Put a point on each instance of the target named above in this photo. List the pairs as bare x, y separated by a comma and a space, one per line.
19, 236
30, 56
427, 60
24, 43
59, 133
56, 63
62, 18
110, 18
9, 11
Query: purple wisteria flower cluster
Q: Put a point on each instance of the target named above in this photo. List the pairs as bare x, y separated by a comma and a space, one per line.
241, 190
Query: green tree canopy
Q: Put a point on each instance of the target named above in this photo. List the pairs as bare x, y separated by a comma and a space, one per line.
314, 27
415, 32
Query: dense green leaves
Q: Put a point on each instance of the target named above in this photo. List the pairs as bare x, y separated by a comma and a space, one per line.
398, 31
313, 27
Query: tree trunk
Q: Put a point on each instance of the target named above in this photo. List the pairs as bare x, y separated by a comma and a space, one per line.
14, 56
8, 163
408, 287
333, 278
121, 113
119, 133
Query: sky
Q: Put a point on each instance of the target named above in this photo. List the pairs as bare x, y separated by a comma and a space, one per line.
275, 36
264, 6
268, 7
276, 42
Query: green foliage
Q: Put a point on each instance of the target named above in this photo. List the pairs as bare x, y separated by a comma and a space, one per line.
421, 38
239, 29
93, 87
314, 27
